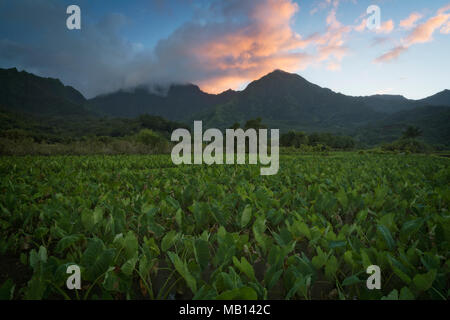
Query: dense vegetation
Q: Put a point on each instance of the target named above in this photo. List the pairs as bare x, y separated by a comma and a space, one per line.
139, 227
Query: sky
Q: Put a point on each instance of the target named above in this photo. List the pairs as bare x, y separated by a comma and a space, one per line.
225, 44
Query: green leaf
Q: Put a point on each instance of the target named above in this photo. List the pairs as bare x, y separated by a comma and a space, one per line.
7, 290
131, 245
201, 250
391, 296
169, 240
246, 216
128, 267
387, 236
67, 242
353, 279
406, 294
87, 219
342, 198
331, 267
244, 293
245, 267
424, 281
183, 270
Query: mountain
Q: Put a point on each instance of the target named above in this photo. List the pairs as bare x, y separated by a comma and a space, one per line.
432, 120
178, 103
387, 103
287, 100
28, 93
439, 99
283, 100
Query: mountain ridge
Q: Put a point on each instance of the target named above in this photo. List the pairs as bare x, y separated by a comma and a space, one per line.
283, 100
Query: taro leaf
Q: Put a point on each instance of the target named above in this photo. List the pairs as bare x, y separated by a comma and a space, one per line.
337, 244
111, 281
130, 245
272, 276
401, 275
68, 241
246, 216
183, 270
206, 292
101, 264
353, 279
87, 219
406, 294
98, 215
342, 198
128, 267
245, 267
411, 227
391, 296
7, 290
169, 240
96, 259
35, 289
319, 260
179, 217
173, 202
94, 248
301, 284
424, 281
386, 236
244, 293
331, 267
201, 250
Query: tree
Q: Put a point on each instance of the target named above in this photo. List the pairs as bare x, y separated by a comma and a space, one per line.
412, 132
235, 126
255, 124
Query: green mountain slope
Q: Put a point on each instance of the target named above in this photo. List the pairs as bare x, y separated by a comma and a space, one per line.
28, 93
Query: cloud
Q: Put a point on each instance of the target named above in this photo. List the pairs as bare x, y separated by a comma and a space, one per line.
392, 54
361, 27
218, 56
446, 28
410, 22
225, 45
420, 34
386, 27
92, 59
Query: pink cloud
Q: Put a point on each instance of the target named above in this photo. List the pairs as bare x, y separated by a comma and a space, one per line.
410, 22
446, 28
392, 54
386, 27
420, 34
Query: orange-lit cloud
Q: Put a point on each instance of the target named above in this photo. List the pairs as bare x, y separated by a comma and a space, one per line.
420, 34
446, 28
266, 43
392, 54
410, 22
386, 27
222, 55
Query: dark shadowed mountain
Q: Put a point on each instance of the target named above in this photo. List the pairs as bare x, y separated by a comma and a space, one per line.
284, 100
27, 93
287, 100
439, 99
387, 103
178, 103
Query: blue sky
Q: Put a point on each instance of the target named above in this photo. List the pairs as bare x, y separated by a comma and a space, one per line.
226, 44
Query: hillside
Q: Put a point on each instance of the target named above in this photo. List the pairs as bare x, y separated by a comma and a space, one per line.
28, 93
178, 103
